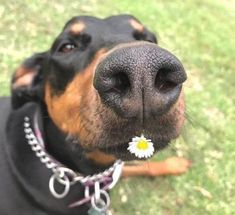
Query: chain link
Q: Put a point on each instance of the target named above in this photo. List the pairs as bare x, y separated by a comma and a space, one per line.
38, 149
66, 176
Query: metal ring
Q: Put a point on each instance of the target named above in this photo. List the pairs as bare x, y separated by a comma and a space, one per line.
104, 202
52, 186
62, 176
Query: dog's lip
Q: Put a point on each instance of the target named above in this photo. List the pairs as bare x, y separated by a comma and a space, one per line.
121, 147
120, 150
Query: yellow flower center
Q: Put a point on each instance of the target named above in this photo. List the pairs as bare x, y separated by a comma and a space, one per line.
142, 145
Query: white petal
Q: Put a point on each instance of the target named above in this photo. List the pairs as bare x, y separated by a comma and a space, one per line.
140, 153
135, 139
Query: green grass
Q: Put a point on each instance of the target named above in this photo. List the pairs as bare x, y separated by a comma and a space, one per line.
201, 34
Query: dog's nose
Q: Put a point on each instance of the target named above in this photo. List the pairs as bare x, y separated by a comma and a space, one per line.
140, 79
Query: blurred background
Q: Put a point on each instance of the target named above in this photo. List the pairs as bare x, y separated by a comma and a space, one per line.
199, 32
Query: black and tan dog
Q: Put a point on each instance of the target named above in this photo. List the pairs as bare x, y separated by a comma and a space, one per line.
102, 82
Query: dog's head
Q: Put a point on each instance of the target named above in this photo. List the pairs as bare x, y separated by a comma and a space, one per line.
105, 81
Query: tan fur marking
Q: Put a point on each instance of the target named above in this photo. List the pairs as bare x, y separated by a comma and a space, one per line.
136, 25
21, 71
170, 166
77, 28
23, 81
101, 157
67, 110
23, 77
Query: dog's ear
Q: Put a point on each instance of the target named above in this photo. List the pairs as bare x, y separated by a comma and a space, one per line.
27, 81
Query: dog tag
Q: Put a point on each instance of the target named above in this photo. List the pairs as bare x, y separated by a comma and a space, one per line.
93, 211
101, 206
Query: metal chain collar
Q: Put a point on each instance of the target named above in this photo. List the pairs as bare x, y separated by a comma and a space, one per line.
66, 177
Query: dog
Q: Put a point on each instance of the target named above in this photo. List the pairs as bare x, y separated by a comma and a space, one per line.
79, 104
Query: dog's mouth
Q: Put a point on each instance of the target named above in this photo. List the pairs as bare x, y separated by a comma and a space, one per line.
121, 150
115, 136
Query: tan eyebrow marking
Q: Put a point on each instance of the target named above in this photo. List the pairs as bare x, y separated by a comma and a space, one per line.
77, 27
136, 25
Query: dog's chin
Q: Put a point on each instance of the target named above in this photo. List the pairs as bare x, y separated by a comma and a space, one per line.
121, 152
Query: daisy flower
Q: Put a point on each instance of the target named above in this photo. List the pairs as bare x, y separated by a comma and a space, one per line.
141, 147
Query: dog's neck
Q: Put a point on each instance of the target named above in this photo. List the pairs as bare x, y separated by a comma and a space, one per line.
62, 146
66, 151
31, 174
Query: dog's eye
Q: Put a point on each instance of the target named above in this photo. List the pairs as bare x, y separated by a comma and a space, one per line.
67, 47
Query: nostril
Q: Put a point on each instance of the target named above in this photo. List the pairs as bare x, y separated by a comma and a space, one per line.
162, 82
121, 83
